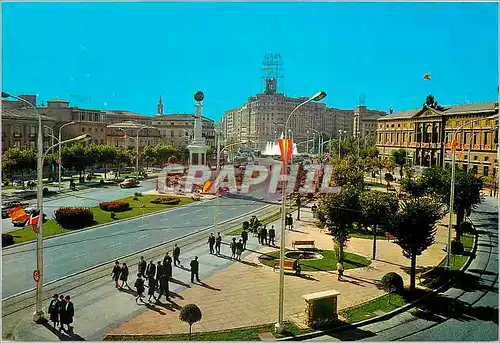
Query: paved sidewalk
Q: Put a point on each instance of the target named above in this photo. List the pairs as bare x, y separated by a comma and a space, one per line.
246, 293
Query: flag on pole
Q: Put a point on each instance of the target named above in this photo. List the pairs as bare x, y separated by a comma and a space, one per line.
206, 186
33, 221
286, 147
427, 76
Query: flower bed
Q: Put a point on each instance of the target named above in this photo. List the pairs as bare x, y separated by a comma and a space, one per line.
114, 206
166, 201
74, 217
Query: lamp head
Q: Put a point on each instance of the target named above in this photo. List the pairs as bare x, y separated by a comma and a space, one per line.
6, 95
318, 96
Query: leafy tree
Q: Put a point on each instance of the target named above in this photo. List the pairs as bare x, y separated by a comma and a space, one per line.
19, 161
389, 165
414, 227
399, 158
339, 212
107, 155
163, 152
78, 157
413, 188
190, 314
347, 172
148, 155
377, 209
388, 178
123, 157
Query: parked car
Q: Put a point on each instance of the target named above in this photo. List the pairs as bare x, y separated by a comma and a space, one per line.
129, 182
10, 204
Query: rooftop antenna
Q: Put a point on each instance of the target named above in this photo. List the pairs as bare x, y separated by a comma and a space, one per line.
272, 73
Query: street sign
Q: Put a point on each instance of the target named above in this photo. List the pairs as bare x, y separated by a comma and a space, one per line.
36, 275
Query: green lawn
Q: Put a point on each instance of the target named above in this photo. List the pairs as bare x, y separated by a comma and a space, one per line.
436, 278
328, 262
51, 228
365, 234
246, 334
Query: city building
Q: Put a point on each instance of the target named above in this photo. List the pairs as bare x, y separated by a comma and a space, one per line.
365, 122
20, 125
426, 135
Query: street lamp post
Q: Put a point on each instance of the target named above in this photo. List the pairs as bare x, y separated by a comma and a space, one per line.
59, 151
340, 138
279, 325
39, 313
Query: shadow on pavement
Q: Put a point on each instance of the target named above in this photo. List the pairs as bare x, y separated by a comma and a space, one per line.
482, 272
128, 290
168, 306
176, 295
307, 277
202, 284
464, 281
352, 334
180, 282
154, 308
63, 336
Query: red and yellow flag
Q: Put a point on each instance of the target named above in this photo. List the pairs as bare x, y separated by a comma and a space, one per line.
286, 147
206, 186
427, 76
18, 214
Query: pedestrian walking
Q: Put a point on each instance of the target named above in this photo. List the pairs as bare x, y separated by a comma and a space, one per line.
233, 248
151, 270
141, 267
239, 250
54, 315
244, 237
296, 267
159, 272
115, 274
176, 254
218, 242
195, 268
67, 314
124, 275
163, 287
151, 287
259, 235
264, 235
139, 286
272, 235
340, 270
289, 221
59, 309
167, 260
314, 208
211, 243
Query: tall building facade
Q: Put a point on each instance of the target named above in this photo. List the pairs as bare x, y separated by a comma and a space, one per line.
365, 122
426, 135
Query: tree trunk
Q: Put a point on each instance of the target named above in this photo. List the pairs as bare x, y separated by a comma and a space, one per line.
374, 241
401, 171
341, 252
413, 271
460, 220
189, 337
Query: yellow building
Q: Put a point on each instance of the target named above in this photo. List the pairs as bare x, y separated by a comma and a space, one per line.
426, 135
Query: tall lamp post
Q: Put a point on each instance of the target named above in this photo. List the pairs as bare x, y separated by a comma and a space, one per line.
340, 138
39, 313
60, 162
279, 325
452, 183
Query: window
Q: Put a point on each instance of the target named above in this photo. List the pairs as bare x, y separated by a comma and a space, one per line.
475, 157
475, 139
33, 131
83, 129
486, 170
17, 131
474, 168
485, 138
17, 144
172, 133
486, 158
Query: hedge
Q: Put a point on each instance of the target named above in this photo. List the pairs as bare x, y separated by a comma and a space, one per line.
114, 206
166, 201
393, 280
74, 218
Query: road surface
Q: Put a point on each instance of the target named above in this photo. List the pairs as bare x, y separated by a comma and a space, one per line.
468, 311
78, 251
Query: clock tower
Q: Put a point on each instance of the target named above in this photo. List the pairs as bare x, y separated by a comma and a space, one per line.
160, 106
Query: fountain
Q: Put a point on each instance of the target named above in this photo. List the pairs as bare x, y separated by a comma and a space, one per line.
273, 149
303, 255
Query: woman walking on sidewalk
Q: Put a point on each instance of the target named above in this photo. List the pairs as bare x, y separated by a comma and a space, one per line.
139, 286
124, 275
115, 274
151, 287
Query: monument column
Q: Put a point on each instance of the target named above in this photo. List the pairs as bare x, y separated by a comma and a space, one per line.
198, 147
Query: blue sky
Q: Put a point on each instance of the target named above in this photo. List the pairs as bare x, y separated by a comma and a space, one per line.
124, 55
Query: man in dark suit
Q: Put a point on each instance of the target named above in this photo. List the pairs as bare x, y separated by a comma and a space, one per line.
211, 243
67, 314
159, 272
218, 243
163, 287
264, 235
244, 238
272, 235
195, 269
141, 267
151, 269
167, 259
176, 253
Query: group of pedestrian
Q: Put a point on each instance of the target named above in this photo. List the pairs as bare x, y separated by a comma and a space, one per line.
215, 242
120, 273
266, 237
236, 249
61, 311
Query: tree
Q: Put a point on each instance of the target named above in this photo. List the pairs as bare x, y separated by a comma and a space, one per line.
107, 155
414, 227
377, 209
123, 157
347, 172
163, 152
338, 212
190, 314
413, 188
148, 155
18, 161
78, 157
399, 158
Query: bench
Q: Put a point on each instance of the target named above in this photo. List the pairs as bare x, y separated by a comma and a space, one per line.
389, 236
288, 265
422, 275
307, 244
